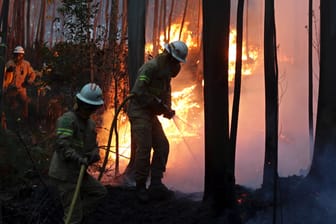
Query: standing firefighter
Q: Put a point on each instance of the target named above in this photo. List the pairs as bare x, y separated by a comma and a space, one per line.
76, 145
18, 74
152, 97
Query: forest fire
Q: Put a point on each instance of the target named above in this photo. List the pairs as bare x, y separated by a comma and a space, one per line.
249, 56
176, 129
187, 108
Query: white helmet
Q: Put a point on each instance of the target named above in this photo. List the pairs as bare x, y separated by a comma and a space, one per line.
18, 50
91, 94
178, 50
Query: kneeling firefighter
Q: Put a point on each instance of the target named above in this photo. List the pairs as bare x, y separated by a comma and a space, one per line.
152, 97
75, 146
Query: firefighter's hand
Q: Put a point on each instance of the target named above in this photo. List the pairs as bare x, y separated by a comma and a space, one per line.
83, 161
92, 157
169, 114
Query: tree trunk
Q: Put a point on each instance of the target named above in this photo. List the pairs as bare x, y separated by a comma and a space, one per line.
218, 183
324, 159
156, 31
29, 44
170, 18
136, 47
3, 41
310, 79
18, 23
271, 103
183, 18
237, 85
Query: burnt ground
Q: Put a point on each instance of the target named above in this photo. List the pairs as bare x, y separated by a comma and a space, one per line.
26, 199
41, 205
296, 205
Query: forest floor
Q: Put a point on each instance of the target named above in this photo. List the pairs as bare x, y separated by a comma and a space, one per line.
38, 204
25, 198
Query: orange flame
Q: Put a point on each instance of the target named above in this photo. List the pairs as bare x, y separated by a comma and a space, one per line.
183, 104
186, 123
248, 58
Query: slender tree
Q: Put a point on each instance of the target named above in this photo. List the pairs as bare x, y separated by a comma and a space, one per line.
271, 104
3, 43
324, 159
310, 78
183, 18
237, 84
218, 182
136, 48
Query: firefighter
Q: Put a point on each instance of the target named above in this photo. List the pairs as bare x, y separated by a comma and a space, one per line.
76, 145
152, 97
18, 74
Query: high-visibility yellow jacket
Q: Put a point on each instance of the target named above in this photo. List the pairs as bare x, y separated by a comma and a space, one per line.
75, 138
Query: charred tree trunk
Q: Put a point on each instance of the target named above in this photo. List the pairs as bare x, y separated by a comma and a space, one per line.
3, 43
310, 79
324, 159
237, 84
156, 32
170, 18
271, 103
183, 18
219, 182
136, 17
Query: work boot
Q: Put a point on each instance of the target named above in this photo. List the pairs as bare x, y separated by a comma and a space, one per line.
158, 191
142, 193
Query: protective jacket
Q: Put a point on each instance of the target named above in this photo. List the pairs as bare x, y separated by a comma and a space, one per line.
75, 138
17, 75
152, 90
152, 83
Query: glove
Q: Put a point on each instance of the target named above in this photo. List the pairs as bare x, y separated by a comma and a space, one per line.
83, 161
169, 114
92, 157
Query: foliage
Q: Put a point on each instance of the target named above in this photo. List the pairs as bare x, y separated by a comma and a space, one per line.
78, 19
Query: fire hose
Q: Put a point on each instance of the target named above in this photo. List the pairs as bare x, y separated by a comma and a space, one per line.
113, 125
75, 196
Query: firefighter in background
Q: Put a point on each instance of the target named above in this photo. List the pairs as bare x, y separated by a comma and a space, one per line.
76, 145
18, 74
152, 97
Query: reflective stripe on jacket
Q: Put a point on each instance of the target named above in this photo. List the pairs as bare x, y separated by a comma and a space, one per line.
153, 81
73, 136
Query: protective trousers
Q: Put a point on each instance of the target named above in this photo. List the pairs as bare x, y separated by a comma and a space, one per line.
91, 193
148, 134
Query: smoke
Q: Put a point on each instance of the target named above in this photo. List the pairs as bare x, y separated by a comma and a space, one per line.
187, 173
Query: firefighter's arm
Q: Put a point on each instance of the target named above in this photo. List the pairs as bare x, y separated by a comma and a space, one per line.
64, 146
141, 87
93, 156
31, 75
